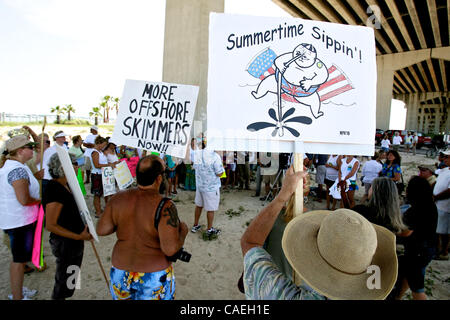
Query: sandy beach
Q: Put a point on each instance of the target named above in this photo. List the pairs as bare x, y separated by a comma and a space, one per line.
215, 266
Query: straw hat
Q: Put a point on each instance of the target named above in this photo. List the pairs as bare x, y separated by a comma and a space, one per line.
332, 251
17, 142
427, 167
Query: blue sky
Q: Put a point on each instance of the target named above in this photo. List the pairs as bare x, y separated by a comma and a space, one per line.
58, 52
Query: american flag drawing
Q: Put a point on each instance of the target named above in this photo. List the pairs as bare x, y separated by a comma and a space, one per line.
263, 65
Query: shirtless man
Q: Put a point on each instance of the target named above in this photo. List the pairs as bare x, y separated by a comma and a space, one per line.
302, 73
140, 268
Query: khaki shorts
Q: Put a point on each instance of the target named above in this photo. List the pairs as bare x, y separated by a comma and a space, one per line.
269, 179
207, 200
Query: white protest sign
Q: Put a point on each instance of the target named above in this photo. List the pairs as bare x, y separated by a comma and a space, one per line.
108, 180
123, 175
156, 116
72, 180
273, 82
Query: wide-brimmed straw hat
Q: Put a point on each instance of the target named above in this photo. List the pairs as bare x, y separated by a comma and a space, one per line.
17, 142
332, 253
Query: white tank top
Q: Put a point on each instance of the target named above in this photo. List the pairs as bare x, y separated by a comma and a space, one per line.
102, 159
346, 168
12, 213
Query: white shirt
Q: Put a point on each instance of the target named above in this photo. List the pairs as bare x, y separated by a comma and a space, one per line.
47, 155
207, 166
102, 159
442, 184
274, 165
385, 143
397, 140
370, 170
89, 139
408, 139
12, 213
346, 168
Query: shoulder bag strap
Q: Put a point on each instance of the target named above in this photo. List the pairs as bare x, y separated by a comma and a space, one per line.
158, 211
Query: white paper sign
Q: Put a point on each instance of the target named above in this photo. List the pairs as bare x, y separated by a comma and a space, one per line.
275, 81
156, 116
123, 175
72, 180
108, 180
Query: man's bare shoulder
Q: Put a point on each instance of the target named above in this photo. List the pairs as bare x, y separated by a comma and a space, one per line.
124, 195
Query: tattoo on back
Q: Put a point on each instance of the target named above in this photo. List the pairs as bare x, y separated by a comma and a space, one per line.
172, 213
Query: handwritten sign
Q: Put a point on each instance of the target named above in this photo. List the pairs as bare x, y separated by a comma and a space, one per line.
108, 180
290, 80
123, 176
156, 116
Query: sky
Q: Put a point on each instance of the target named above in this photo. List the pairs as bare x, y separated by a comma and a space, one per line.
59, 52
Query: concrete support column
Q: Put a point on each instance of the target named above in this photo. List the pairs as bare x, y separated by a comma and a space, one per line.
386, 66
186, 46
437, 119
412, 112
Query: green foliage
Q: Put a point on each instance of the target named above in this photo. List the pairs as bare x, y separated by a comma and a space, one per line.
76, 122
231, 213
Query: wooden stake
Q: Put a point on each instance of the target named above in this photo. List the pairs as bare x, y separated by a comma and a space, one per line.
100, 264
298, 203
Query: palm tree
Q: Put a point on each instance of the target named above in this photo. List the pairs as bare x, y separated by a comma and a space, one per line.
69, 109
105, 105
116, 104
59, 111
95, 113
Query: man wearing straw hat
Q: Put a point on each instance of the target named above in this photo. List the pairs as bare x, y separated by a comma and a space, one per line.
339, 255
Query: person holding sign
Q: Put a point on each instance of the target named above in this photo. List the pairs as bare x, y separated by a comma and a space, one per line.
89, 144
67, 230
347, 175
99, 161
148, 242
319, 245
19, 206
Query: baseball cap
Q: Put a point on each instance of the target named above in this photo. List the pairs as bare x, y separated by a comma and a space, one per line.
94, 128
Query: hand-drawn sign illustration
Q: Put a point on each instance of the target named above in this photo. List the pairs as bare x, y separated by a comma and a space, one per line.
298, 77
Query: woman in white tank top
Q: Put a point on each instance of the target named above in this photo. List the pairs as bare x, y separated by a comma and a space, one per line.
349, 168
332, 167
99, 161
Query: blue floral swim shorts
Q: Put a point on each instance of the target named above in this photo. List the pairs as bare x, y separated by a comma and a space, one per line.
158, 285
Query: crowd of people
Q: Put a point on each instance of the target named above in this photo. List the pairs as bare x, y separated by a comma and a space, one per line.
413, 214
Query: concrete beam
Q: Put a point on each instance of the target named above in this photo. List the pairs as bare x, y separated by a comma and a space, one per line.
441, 53
397, 61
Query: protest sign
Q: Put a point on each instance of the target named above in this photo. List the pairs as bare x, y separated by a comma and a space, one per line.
72, 180
123, 175
132, 164
156, 116
274, 82
108, 180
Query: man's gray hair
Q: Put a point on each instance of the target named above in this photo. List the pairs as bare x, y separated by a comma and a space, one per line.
55, 167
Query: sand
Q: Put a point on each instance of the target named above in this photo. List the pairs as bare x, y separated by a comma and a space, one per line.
215, 266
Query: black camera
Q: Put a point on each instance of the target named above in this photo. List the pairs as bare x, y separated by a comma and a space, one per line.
180, 255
